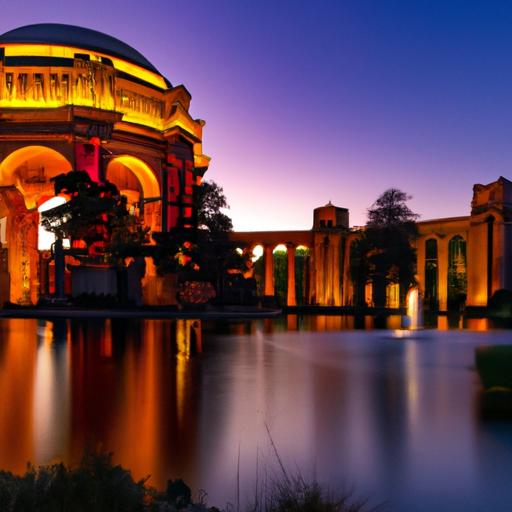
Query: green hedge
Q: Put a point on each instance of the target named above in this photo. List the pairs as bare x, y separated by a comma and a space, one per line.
494, 365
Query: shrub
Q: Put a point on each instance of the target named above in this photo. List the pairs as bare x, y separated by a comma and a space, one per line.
295, 494
494, 365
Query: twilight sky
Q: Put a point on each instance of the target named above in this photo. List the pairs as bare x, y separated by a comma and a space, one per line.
307, 102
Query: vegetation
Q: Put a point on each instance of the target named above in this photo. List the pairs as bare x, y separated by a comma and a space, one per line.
95, 215
98, 485
207, 254
500, 304
494, 365
384, 253
301, 265
210, 200
95, 485
295, 494
280, 275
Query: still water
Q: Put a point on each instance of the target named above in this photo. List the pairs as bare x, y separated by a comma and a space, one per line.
397, 418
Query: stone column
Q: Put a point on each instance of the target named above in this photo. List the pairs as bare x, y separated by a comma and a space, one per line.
269, 272
347, 281
336, 289
290, 294
420, 263
477, 263
499, 261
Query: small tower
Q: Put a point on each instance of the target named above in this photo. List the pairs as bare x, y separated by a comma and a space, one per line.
330, 217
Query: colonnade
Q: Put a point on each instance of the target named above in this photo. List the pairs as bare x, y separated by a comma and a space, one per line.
439, 257
269, 284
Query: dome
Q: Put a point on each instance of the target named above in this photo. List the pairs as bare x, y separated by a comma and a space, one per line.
79, 37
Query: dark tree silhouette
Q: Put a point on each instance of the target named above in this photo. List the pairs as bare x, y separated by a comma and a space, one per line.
209, 202
96, 214
384, 253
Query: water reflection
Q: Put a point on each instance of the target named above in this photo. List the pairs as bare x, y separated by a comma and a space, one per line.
52, 392
180, 398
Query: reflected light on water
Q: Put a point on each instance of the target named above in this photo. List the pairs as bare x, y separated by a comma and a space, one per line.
477, 324
52, 390
174, 399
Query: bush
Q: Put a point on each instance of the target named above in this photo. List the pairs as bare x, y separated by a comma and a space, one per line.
500, 304
95, 485
494, 365
295, 494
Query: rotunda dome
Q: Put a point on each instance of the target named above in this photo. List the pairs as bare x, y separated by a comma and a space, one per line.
78, 37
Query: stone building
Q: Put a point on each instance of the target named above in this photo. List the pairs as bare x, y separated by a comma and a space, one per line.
460, 259
74, 98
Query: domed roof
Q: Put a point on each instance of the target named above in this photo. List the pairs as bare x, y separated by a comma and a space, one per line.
79, 37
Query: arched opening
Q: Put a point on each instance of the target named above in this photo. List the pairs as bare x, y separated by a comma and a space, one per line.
25, 184
392, 295
279, 255
30, 169
302, 258
45, 241
258, 262
431, 274
137, 181
457, 277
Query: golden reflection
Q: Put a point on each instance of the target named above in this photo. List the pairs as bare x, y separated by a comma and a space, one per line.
106, 341
442, 323
477, 324
138, 415
188, 338
292, 322
17, 379
394, 322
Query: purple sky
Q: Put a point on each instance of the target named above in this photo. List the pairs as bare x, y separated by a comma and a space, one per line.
307, 102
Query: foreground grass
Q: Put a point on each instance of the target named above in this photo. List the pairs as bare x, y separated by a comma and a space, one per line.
97, 485
294, 494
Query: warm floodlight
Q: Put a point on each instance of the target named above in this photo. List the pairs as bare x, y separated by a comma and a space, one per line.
257, 253
45, 238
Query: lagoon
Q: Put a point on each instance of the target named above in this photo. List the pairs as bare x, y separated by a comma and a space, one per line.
395, 417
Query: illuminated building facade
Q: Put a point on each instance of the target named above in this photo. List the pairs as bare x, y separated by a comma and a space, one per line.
462, 259
74, 98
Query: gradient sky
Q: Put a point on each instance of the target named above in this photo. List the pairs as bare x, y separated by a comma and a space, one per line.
307, 102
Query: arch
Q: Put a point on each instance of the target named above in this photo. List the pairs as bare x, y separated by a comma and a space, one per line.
142, 171
30, 168
281, 247
431, 273
258, 260
457, 272
280, 266
135, 178
302, 284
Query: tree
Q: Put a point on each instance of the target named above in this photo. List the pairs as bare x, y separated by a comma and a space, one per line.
384, 253
217, 257
206, 253
391, 211
209, 201
97, 222
90, 215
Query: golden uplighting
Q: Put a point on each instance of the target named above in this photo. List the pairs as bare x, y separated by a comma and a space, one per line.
45, 50
141, 170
